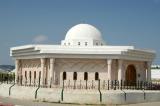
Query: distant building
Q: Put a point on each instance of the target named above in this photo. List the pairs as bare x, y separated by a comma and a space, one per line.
155, 72
82, 55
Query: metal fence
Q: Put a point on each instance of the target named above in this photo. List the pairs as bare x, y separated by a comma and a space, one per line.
111, 85
7, 78
84, 84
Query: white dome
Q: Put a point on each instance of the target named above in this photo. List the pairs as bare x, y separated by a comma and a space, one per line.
82, 32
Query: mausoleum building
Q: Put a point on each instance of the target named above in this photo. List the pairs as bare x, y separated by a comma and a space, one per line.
83, 55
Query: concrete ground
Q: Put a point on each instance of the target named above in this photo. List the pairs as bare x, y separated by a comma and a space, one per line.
16, 102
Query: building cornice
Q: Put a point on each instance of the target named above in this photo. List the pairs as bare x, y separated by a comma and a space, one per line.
58, 51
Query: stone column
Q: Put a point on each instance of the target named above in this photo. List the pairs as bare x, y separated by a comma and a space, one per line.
120, 70
42, 71
20, 71
109, 68
149, 71
16, 70
51, 72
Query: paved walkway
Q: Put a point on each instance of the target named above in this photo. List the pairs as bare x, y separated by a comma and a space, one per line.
16, 102
144, 104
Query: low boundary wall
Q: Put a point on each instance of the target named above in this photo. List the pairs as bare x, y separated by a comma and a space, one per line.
80, 96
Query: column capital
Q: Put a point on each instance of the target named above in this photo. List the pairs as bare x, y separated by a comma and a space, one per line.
17, 61
42, 60
52, 60
109, 61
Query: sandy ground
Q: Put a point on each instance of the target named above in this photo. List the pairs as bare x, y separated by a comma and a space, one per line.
16, 102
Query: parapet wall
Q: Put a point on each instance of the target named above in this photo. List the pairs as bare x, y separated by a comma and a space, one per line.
79, 96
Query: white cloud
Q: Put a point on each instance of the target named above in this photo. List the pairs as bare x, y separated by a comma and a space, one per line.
40, 39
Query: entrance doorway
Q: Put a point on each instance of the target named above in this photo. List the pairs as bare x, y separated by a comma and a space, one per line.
131, 75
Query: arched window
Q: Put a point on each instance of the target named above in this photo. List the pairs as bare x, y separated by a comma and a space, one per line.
85, 76
86, 44
30, 75
79, 43
64, 75
40, 74
34, 74
96, 76
75, 76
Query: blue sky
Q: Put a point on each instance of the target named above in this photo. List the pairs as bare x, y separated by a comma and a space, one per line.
122, 22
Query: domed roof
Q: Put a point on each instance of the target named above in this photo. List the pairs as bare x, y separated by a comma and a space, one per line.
83, 31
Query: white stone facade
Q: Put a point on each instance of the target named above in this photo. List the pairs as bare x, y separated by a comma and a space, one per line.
33, 66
